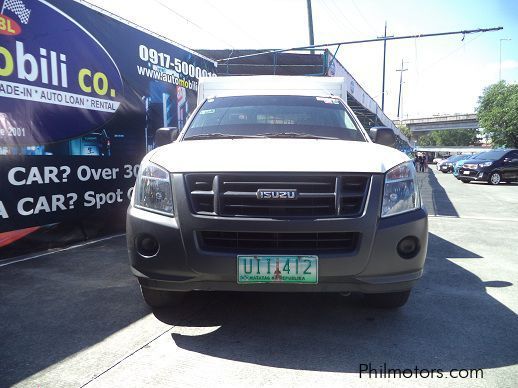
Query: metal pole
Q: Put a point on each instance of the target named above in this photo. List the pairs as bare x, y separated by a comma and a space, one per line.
310, 26
500, 63
400, 86
384, 57
463, 32
500, 60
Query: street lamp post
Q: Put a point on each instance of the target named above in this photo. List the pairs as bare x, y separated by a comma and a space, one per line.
500, 61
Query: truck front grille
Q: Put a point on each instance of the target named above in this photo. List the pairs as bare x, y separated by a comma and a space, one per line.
345, 242
235, 195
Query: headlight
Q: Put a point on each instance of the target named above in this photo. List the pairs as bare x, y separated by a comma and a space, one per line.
153, 190
485, 164
400, 193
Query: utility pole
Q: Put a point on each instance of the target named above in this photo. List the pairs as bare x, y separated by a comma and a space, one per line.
400, 85
384, 37
310, 26
500, 61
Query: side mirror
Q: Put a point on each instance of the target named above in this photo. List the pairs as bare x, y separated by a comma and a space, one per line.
166, 135
383, 135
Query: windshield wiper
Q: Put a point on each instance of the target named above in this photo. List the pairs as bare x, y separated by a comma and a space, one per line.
297, 135
285, 135
202, 136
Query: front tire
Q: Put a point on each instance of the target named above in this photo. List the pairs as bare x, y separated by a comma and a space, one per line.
389, 300
494, 178
161, 298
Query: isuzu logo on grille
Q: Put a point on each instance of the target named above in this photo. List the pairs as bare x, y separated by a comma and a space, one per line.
276, 194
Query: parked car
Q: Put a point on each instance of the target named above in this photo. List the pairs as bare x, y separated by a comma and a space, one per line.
438, 165
460, 162
440, 161
273, 185
447, 165
494, 167
437, 160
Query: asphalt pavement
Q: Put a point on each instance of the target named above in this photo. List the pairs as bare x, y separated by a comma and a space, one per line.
75, 318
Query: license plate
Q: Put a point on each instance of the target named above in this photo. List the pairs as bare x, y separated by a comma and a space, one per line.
277, 269
466, 172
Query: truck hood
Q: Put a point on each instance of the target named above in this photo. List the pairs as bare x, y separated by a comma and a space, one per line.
274, 155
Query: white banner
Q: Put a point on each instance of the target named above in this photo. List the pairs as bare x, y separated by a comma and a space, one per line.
56, 97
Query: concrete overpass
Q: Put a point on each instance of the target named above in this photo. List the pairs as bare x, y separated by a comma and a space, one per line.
440, 123
452, 150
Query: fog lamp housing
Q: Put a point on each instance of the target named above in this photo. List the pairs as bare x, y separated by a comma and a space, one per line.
146, 245
408, 247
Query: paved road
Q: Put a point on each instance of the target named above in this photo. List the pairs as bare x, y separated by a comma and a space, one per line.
75, 317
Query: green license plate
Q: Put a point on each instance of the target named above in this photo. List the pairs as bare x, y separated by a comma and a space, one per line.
277, 269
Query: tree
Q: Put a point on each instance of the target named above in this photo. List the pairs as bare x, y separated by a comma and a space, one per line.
427, 140
405, 130
497, 113
450, 137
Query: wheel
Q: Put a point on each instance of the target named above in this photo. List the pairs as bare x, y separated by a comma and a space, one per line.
494, 178
464, 180
390, 300
160, 298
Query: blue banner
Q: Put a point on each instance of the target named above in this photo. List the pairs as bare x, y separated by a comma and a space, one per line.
81, 95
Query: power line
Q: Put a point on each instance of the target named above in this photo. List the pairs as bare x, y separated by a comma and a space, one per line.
419, 71
332, 14
363, 17
463, 45
345, 17
179, 14
232, 22
191, 22
129, 22
463, 32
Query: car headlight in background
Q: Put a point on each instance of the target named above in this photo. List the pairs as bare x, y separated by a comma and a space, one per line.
400, 193
153, 189
485, 164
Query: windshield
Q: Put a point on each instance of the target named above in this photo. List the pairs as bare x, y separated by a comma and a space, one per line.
273, 116
491, 155
454, 158
467, 157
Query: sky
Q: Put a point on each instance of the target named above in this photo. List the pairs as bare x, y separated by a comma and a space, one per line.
445, 74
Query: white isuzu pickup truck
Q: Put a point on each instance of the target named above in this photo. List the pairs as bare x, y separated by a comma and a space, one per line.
273, 185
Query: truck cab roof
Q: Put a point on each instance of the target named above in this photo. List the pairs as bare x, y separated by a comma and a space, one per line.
213, 87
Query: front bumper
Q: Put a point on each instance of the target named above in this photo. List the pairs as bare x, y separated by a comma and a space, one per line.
181, 263
472, 175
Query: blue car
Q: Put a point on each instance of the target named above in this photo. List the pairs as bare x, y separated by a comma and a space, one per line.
446, 166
